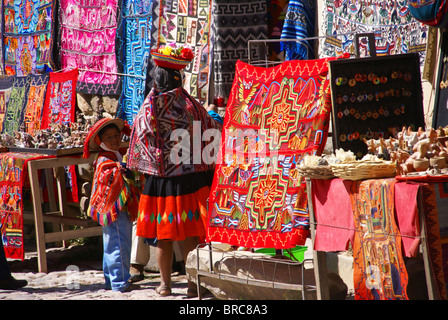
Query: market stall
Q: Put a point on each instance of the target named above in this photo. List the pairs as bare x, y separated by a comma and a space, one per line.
381, 230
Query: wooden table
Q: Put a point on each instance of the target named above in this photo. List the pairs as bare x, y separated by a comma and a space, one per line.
56, 215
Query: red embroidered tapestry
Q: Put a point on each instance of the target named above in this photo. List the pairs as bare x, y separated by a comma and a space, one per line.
274, 117
59, 107
60, 99
13, 176
379, 272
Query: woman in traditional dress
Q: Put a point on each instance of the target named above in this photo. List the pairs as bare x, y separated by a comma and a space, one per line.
168, 146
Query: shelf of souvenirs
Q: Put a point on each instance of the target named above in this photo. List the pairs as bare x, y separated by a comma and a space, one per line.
408, 154
56, 140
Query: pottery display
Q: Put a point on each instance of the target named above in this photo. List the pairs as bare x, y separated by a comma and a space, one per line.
57, 136
437, 162
420, 164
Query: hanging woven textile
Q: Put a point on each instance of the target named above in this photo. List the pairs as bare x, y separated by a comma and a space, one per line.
88, 41
60, 98
234, 24
188, 23
28, 29
299, 24
35, 102
379, 272
59, 108
5, 93
13, 180
275, 116
136, 37
396, 30
15, 108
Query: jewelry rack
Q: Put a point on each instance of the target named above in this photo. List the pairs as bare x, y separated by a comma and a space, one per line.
374, 98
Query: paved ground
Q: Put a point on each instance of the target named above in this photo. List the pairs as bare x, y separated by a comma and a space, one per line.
75, 274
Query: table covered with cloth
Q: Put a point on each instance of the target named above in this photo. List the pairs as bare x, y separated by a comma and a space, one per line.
13, 181
380, 219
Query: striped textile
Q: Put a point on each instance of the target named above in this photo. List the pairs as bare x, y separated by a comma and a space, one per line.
299, 24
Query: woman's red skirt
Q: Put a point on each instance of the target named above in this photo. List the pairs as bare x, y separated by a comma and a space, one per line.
174, 208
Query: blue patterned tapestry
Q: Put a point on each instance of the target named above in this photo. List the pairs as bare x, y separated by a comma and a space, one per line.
299, 24
27, 36
136, 38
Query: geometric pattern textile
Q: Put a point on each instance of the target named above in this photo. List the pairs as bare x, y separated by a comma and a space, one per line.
187, 22
88, 41
13, 175
15, 108
396, 30
274, 117
27, 38
234, 24
136, 38
166, 136
379, 272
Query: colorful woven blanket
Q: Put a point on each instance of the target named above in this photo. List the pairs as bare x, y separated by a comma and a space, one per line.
6, 84
188, 23
28, 36
171, 136
136, 37
275, 116
234, 24
59, 107
88, 33
379, 272
13, 179
60, 98
35, 101
16, 105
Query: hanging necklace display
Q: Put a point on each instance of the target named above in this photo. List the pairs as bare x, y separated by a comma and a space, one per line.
372, 95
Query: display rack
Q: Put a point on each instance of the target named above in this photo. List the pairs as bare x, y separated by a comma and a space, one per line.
374, 98
296, 280
321, 288
320, 256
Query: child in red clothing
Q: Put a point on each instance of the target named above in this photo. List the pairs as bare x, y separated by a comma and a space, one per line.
114, 201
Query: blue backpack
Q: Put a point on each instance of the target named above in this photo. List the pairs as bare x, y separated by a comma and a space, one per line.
430, 12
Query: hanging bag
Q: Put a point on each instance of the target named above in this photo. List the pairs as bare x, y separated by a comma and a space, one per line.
430, 12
